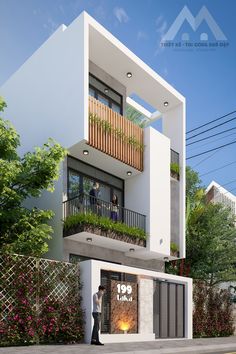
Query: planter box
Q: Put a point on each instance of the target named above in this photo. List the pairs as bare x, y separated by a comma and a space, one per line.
105, 233
175, 175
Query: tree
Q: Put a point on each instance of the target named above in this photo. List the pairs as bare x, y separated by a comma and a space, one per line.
210, 237
25, 230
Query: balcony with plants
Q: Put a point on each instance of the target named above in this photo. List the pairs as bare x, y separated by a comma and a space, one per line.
85, 213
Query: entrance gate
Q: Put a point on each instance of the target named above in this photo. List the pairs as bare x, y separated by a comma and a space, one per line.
168, 310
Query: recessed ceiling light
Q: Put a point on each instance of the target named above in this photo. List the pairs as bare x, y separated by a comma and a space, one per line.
129, 74
85, 152
129, 173
106, 90
89, 239
166, 103
131, 249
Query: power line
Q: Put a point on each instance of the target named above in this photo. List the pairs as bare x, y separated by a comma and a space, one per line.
207, 130
226, 184
219, 168
214, 120
211, 136
206, 158
210, 142
205, 152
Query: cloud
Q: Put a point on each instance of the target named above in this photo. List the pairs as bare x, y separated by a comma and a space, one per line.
50, 25
100, 12
121, 15
165, 71
61, 8
142, 35
161, 27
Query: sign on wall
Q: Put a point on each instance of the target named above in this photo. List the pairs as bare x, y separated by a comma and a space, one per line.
124, 307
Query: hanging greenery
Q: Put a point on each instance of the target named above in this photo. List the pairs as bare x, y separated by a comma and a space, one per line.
117, 132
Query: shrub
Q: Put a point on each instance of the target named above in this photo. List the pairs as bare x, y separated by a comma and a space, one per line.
174, 167
212, 315
174, 247
104, 223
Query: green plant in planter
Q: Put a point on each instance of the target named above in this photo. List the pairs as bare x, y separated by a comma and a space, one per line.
103, 223
174, 167
174, 248
119, 133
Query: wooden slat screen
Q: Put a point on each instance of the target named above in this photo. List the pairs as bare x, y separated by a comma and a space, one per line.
112, 139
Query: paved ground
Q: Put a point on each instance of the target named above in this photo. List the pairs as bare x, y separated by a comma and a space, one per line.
198, 346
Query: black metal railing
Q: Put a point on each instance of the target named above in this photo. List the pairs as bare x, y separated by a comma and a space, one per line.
174, 157
85, 203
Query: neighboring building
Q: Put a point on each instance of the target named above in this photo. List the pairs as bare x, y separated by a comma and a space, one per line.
217, 194
77, 89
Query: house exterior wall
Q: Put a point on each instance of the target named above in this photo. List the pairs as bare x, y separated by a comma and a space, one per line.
173, 125
175, 207
149, 192
91, 275
46, 96
109, 255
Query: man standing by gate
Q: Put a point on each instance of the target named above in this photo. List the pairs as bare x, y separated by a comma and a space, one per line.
97, 309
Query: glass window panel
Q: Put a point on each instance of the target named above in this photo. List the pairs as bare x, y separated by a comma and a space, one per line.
87, 184
74, 184
116, 108
94, 172
103, 99
97, 84
91, 92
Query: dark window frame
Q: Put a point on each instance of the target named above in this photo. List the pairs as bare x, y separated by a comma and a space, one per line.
82, 174
110, 100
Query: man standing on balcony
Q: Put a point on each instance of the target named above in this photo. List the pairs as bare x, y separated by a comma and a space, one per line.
93, 198
97, 309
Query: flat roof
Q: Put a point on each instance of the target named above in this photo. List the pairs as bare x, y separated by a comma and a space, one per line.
116, 59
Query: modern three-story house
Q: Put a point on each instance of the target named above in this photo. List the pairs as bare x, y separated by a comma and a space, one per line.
120, 201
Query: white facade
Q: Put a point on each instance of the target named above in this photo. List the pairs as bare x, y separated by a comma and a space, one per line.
217, 194
48, 97
91, 271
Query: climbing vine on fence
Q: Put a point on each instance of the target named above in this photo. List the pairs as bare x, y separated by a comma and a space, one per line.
39, 301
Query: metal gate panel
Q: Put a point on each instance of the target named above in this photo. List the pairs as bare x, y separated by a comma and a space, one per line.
180, 310
163, 310
156, 309
168, 310
172, 310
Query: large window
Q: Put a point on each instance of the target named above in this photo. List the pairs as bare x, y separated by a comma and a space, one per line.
105, 94
81, 177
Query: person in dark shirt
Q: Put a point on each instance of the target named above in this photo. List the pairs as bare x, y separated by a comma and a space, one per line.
93, 197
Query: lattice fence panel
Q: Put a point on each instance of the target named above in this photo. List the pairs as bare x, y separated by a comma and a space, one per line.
35, 280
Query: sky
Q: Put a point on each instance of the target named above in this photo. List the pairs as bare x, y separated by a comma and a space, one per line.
205, 76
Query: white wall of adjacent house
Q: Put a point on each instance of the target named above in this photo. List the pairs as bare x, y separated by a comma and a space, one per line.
173, 126
149, 192
46, 96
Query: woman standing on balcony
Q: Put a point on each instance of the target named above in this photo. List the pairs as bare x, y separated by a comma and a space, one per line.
114, 207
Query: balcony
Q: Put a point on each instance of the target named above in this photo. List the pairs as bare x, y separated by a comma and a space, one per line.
85, 213
115, 135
